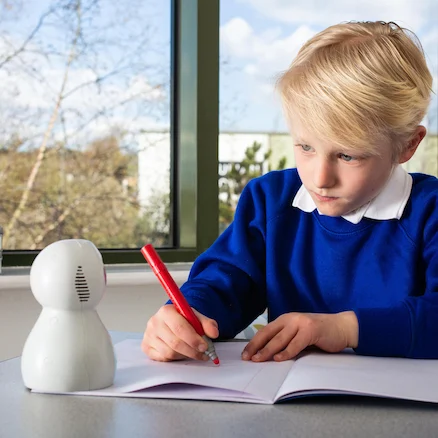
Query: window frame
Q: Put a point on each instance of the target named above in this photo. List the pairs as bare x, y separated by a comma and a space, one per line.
194, 127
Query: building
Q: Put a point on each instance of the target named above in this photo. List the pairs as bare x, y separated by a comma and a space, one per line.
154, 156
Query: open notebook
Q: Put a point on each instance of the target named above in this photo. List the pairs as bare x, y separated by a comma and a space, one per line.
313, 373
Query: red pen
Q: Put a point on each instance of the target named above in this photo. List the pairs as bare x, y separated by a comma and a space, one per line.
176, 296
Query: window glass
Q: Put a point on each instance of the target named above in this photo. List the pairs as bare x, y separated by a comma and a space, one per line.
259, 39
84, 83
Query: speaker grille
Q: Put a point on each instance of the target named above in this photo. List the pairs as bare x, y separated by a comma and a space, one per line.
81, 285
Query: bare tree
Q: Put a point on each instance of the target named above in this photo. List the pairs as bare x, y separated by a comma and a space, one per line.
42, 149
92, 73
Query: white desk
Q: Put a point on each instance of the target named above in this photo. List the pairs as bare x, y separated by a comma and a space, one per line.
23, 414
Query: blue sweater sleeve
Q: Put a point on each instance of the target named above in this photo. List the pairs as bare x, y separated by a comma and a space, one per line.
227, 282
411, 328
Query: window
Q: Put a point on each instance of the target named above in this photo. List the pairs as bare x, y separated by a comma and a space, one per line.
94, 141
259, 39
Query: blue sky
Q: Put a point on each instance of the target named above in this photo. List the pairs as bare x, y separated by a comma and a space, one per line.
258, 39
125, 43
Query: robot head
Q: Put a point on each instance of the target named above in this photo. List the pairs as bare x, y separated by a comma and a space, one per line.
68, 275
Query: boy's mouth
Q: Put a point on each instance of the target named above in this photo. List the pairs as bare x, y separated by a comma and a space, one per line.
324, 198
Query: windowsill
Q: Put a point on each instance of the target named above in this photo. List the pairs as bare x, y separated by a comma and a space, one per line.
117, 275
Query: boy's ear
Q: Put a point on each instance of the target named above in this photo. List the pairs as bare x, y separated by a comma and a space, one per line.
411, 147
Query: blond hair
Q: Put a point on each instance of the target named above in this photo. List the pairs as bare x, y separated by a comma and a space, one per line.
360, 82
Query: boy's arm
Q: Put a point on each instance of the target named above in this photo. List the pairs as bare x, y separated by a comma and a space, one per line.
411, 328
227, 282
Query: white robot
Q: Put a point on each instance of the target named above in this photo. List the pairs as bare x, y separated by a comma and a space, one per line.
69, 348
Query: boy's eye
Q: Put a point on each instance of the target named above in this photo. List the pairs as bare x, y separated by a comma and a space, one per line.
305, 147
346, 157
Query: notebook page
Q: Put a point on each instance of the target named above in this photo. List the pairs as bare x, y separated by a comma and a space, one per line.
349, 373
234, 380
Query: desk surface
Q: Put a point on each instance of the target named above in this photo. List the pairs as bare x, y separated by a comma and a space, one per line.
24, 414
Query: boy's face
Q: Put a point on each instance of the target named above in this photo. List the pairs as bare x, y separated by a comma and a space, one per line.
338, 179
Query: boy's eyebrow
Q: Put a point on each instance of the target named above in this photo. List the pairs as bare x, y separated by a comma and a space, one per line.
300, 140
351, 152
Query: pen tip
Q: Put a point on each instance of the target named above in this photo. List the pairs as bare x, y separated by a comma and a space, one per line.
216, 361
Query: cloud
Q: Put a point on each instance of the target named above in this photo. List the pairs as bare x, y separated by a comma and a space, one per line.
22, 90
262, 57
258, 56
407, 12
31, 85
267, 51
265, 54
94, 97
116, 125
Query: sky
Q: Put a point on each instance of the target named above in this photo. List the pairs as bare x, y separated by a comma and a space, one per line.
120, 76
118, 79
260, 38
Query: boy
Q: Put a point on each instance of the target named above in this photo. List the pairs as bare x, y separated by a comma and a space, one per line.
343, 250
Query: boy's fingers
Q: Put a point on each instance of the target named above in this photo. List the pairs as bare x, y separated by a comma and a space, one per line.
278, 343
209, 325
260, 339
211, 330
181, 329
154, 355
169, 336
295, 347
151, 346
160, 351
177, 343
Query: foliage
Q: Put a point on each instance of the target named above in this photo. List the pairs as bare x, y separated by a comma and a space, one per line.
153, 225
237, 177
76, 194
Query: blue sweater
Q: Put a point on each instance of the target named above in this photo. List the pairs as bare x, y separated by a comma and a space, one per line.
278, 257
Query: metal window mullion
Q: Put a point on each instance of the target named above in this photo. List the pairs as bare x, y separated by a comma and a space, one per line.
208, 124
197, 107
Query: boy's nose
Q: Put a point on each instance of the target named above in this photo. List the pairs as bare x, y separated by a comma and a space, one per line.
324, 175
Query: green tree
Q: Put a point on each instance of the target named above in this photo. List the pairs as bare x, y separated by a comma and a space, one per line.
238, 176
153, 225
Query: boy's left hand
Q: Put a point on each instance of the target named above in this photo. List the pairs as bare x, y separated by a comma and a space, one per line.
291, 333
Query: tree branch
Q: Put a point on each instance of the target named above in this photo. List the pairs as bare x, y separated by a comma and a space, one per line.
28, 39
42, 149
61, 218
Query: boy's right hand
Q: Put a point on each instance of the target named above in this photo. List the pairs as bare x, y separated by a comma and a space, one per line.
169, 336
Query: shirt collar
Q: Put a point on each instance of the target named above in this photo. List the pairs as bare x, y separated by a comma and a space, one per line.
388, 204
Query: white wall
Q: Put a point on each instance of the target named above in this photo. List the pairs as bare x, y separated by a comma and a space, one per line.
232, 146
153, 165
